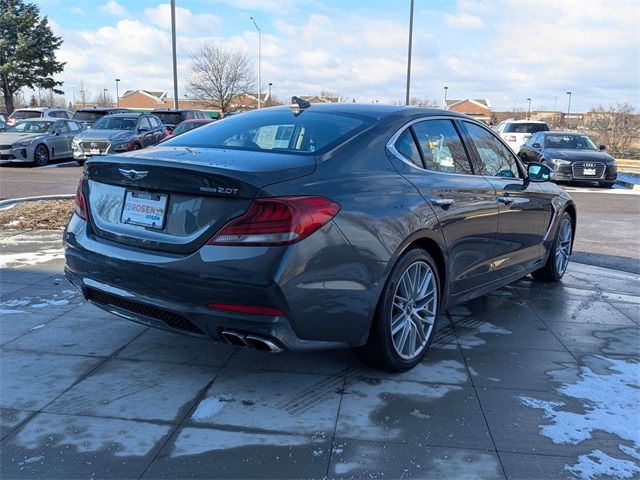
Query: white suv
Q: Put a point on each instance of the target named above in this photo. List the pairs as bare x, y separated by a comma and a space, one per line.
24, 113
517, 132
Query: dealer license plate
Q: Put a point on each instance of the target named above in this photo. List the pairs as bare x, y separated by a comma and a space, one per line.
144, 209
589, 171
94, 151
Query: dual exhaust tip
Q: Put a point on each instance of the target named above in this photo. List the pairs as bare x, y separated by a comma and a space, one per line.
254, 341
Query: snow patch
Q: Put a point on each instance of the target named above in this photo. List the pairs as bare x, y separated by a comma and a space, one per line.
17, 305
610, 403
209, 407
31, 258
470, 338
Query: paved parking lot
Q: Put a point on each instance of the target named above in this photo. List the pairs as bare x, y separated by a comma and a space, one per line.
534, 381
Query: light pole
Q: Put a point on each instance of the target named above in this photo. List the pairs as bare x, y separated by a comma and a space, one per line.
528, 108
259, 57
569, 106
444, 105
270, 85
117, 93
104, 96
406, 101
173, 50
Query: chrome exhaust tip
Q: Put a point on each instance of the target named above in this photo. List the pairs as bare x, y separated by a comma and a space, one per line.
261, 343
234, 338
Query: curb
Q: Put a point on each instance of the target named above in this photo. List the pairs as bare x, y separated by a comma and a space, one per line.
630, 185
11, 201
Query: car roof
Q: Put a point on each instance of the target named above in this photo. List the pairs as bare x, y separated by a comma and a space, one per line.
42, 119
103, 109
374, 110
173, 110
128, 114
526, 121
559, 132
38, 109
197, 120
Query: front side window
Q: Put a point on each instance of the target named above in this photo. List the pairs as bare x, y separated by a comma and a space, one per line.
31, 127
144, 123
408, 148
442, 147
496, 160
60, 127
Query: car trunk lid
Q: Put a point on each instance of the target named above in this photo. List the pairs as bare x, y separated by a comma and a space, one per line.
175, 199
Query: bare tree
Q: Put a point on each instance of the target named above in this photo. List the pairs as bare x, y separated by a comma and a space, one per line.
420, 102
615, 127
103, 98
53, 99
218, 74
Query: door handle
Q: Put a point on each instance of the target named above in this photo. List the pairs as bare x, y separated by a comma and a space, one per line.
506, 200
443, 202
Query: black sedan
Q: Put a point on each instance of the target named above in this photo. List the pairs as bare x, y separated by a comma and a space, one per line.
572, 157
315, 227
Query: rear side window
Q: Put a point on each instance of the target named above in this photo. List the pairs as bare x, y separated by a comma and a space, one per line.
496, 160
280, 130
408, 148
442, 147
526, 127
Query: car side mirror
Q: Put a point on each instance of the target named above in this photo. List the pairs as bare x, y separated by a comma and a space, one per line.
143, 129
536, 145
538, 172
602, 147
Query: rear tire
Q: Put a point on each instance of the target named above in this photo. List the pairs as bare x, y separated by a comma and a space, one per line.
560, 252
406, 317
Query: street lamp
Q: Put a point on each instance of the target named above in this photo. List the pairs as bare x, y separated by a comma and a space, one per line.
173, 54
528, 108
117, 93
444, 105
104, 96
569, 106
259, 57
406, 102
270, 85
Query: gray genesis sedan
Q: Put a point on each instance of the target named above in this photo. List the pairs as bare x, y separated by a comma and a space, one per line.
315, 227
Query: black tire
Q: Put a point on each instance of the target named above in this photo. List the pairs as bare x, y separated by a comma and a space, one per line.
41, 155
80, 162
552, 272
136, 146
606, 184
380, 351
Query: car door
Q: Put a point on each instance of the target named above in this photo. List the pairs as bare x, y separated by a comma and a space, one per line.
57, 141
73, 129
158, 129
532, 150
524, 207
465, 204
144, 129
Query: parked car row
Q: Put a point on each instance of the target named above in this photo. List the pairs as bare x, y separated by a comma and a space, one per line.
572, 157
39, 135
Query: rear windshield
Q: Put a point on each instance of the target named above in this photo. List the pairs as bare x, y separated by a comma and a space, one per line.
88, 116
115, 123
22, 114
278, 131
526, 127
169, 118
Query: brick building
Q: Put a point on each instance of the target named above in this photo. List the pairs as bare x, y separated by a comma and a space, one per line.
478, 108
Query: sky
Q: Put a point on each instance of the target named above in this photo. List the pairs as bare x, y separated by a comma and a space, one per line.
504, 51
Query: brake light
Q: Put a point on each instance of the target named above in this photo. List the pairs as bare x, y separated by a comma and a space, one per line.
511, 138
250, 309
277, 221
81, 205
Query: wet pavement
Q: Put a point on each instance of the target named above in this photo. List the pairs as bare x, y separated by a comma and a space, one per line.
535, 380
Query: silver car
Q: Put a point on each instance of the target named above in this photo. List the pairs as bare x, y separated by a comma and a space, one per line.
38, 140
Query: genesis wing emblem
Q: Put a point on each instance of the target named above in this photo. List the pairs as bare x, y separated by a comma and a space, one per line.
133, 174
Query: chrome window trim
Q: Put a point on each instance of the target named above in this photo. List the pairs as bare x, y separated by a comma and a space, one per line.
391, 145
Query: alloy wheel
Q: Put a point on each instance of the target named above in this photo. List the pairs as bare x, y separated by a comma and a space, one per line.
41, 155
563, 248
414, 310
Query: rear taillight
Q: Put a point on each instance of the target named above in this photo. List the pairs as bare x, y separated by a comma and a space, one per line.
277, 221
81, 205
250, 309
511, 138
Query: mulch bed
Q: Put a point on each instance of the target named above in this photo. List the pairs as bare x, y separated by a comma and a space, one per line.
38, 215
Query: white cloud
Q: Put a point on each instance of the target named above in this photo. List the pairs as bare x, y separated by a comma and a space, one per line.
113, 8
463, 20
77, 11
186, 21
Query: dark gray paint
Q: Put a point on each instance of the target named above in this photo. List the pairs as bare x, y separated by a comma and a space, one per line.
328, 285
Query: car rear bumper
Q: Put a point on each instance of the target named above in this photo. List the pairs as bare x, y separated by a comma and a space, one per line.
325, 306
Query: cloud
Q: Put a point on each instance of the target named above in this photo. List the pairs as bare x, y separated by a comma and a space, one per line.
113, 8
77, 11
186, 21
463, 20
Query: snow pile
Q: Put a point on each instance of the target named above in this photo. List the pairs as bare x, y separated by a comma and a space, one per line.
611, 402
31, 258
17, 305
